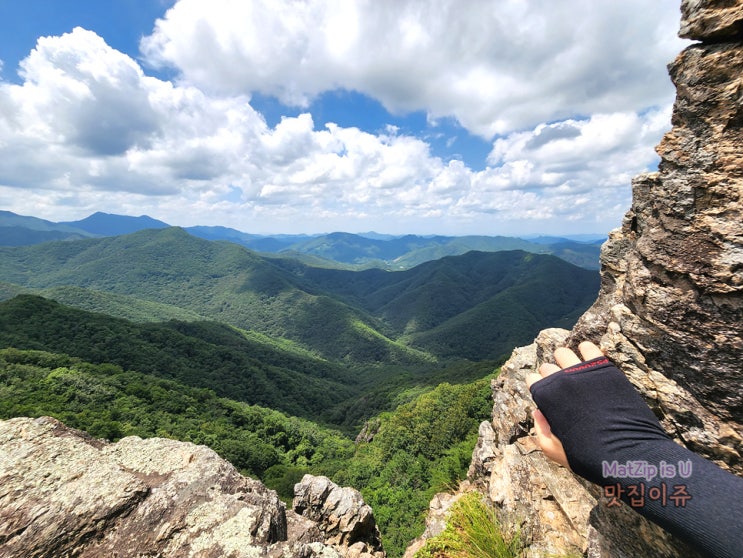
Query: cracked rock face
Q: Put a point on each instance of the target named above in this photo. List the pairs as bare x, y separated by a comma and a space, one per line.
344, 519
63, 493
671, 304
669, 313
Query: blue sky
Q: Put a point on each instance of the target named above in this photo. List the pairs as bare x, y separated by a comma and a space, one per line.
448, 116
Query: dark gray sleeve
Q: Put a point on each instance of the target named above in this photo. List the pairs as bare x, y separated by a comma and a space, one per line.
613, 439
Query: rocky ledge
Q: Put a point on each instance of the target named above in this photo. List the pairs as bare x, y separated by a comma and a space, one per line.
63, 493
669, 313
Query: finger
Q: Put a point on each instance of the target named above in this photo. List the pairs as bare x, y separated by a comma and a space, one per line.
589, 351
548, 368
541, 424
550, 444
531, 378
544, 370
565, 357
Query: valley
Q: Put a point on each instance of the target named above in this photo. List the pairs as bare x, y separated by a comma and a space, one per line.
276, 362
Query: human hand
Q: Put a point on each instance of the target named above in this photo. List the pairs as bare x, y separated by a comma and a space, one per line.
551, 444
593, 421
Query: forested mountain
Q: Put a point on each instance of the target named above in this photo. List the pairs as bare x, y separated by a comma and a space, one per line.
20, 230
398, 253
351, 251
108, 224
199, 354
221, 281
476, 305
402, 252
419, 449
368, 316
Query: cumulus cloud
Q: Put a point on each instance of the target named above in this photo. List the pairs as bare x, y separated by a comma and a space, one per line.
86, 119
90, 95
496, 66
567, 171
88, 129
86, 115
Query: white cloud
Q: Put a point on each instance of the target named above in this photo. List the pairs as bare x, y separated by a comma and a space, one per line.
572, 170
88, 129
87, 120
494, 65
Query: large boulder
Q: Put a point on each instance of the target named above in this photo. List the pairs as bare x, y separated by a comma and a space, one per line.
344, 519
63, 493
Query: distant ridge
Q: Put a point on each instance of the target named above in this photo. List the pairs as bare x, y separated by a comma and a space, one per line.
108, 224
395, 253
22, 230
9, 219
335, 250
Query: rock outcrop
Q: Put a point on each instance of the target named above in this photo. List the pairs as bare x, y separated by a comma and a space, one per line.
669, 313
341, 514
63, 493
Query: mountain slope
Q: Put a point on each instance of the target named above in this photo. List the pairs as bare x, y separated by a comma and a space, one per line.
542, 291
111, 403
259, 243
199, 354
356, 251
337, 250
366, 316
400, 253
10, 219
220, 281
108, 224
21, 230
475, 305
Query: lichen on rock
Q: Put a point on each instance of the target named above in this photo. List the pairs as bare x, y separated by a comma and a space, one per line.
64, 493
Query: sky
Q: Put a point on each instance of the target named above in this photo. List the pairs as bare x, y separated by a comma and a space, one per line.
450, 117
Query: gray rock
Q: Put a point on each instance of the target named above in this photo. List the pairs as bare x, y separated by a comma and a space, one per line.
344, 519
63, 493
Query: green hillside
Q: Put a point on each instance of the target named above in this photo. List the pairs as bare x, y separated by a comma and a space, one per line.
199, 354
357, 251
477, 306
218, 280
111, 403
242, 365
536, 291
370, 316
421, 448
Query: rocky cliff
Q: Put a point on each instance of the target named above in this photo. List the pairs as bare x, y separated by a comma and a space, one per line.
63, 493
669, 313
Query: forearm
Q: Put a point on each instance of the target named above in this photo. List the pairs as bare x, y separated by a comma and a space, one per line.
685, 494
612, 438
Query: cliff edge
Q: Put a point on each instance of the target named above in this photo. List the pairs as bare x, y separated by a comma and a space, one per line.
64, 493
669, 313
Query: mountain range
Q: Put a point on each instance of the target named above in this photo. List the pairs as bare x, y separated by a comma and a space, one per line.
478, 305
345, 250
278, 358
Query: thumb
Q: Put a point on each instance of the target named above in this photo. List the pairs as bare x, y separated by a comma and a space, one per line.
550, 444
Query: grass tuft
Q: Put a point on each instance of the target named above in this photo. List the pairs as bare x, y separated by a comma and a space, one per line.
472, 531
